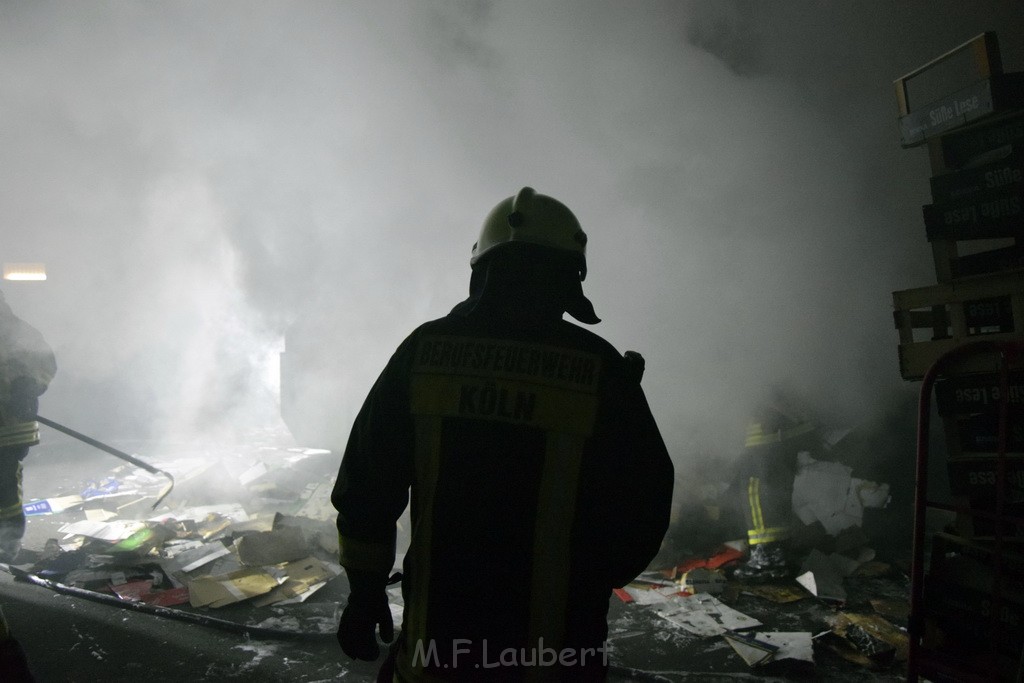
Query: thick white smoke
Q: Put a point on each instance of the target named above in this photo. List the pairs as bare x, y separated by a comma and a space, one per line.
199, 176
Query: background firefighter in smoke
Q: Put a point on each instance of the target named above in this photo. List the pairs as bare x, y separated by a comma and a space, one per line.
27, 366
779, 431
513, 428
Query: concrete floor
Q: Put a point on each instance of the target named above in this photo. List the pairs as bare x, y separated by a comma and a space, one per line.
74, 640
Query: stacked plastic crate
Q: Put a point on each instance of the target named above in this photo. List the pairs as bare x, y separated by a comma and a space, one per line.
971, 118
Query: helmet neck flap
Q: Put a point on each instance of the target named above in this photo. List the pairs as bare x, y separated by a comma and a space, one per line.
526, 280
531, 258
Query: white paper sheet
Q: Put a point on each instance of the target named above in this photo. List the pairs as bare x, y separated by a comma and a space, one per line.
821, 577
792, 645
114, 530
704, 615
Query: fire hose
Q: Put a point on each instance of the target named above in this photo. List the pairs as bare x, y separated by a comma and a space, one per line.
114, 452
160, 611
247, 630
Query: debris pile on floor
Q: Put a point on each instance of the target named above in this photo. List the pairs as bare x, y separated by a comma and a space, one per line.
264, 560
276, 547
699, 599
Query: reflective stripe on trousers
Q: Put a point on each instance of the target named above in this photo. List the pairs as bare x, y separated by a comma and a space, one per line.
761, 533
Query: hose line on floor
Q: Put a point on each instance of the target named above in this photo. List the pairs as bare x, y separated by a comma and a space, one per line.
170, 613
257, 632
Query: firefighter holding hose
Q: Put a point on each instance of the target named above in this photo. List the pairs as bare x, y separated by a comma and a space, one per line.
27, 366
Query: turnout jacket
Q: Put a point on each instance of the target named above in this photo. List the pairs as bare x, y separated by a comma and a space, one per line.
27, 366
539, 481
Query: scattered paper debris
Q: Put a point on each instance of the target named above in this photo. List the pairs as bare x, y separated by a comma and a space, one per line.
99, 515
873, 636
826, 492
316, 501
143, 541
821, 577
703, 580
194, 558
112, 530
647, 594
232, 511
253, 473
750, 649
192, 550
778, 593
224, 589
705, 615
790, 645
304, 578
272, 547
51, 505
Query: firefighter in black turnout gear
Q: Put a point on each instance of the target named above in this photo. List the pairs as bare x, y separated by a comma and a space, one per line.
26, 367
539, 480
775, 436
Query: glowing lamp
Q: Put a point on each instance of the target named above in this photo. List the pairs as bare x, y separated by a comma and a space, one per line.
24, 271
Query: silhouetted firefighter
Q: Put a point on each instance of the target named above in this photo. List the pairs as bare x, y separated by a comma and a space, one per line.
538, 476
27, 366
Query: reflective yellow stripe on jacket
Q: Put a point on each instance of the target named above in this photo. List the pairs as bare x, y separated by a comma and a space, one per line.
19, 434
511, 382
756, 436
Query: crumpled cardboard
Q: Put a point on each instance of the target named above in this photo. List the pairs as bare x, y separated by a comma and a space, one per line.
305, 577
178, 563
284, 544
225, 589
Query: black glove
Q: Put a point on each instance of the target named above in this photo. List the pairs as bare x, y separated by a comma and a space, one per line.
367, 609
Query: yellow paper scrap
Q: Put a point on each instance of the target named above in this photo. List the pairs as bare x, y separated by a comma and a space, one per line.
225, 589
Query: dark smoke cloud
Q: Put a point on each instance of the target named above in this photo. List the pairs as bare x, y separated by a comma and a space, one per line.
730, 32
200, 176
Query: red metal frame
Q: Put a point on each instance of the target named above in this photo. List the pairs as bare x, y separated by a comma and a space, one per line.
1005, 352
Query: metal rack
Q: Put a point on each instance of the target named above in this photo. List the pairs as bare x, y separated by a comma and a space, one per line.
963, 337
991, 661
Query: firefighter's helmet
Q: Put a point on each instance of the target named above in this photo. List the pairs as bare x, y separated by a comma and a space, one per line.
532, 218
784, 417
